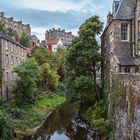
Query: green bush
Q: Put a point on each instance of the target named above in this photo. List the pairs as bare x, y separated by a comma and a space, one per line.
25, 89
6, 127
96, 116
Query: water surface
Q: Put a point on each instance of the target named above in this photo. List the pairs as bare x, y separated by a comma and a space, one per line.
65, 124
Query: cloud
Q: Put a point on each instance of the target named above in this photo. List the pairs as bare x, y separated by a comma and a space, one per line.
51, 5
45, 14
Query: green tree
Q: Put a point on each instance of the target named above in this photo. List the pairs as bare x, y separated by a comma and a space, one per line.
43, 55
25, 88
48, 63
2, 27
48, 77
25, 40
12, 32
81, 62
60, 55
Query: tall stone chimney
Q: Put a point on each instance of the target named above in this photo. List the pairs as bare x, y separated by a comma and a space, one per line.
109, 17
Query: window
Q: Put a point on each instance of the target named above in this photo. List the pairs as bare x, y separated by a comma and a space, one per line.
6, 78
124, 31
17, 60
111, 37
6, 59
17, 50
6, 45
12, 59
22, 52
12, 48
127, 69
12, 75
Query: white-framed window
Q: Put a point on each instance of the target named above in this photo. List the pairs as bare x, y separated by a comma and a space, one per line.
127, 69
6, 77
124, 31
6, 45
6, 59
12, 48
22, 52
12, 59
111, 37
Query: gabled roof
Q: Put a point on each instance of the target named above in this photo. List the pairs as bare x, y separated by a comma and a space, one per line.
52, 42
125, 60
126, 9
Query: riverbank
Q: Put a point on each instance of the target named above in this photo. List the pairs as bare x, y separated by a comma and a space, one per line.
27, 119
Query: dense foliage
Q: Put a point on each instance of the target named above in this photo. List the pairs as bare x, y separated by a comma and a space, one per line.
6, 126
47, 61
81, 62
25, 88
25, 40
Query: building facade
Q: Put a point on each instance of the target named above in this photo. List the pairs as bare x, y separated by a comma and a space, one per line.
17, 26
12, 54
54, 37
120, 40
34, 40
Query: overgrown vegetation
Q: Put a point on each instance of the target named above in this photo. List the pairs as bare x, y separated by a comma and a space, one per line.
48, 78
6, 126
81, 62
24, 119
25, 89
81, 65
25, 40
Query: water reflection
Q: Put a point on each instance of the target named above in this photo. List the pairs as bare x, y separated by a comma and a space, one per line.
64, 124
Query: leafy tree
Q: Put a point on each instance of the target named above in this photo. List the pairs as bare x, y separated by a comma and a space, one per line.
43, 55
25, 40
48, 63
81, 61
49, 78
25, 88
2, 27
60, 55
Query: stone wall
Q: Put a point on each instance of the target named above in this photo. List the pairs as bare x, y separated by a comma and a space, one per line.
124, 106
12, 55
18, 26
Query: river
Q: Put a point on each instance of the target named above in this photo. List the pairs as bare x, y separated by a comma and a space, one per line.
64, 123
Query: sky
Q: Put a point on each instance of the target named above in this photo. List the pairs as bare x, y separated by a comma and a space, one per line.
45, 14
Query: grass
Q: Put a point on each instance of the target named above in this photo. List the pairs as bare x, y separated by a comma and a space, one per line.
25, 119
38, 112
47, 102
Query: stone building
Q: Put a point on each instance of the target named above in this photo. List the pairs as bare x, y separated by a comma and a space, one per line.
15, 25
12, 55
34, 40
54, 36
120, 40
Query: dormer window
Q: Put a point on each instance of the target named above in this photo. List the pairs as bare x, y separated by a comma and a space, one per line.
124, 32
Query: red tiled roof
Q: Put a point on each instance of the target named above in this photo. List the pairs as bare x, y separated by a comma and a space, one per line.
52, 42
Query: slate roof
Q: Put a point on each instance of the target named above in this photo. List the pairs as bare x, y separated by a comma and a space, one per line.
126, 61
126, 9
8, 38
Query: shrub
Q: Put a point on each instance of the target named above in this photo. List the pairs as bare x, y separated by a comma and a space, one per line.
96, 115
6, 126
25, 89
